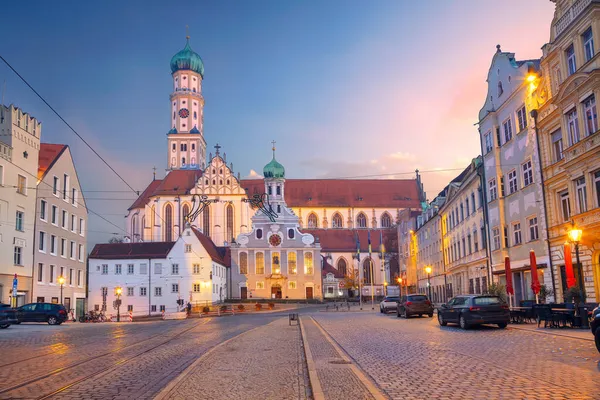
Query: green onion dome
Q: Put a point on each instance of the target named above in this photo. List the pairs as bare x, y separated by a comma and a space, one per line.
187, 59
274, 169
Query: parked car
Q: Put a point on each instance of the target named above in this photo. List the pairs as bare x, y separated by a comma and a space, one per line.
389, 303
53, 314
594, 325
472, 310
414, 304
7, 316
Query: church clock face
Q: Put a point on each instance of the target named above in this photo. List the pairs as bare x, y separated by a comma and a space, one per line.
184, 113
275, 240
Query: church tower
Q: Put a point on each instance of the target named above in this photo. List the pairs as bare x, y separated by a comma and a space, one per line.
274, 174
187, 147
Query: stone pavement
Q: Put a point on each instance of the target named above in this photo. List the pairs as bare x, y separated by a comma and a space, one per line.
574, 333
264, 363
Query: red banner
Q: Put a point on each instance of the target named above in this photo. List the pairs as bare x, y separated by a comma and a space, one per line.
571, 281
535, 281
509, 282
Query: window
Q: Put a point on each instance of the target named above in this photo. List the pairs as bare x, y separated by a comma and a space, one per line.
591, 115
72, 250
533, 229
502, 188
118, 269
74, 196
275, 265
42, 244
53, 244
168, 223
512, 181
157, 291
507, 128
80, 255
473, 202
51, 277
18, 253
260, 285
557, 145
129, 291
292, 285
206, 221
573, 127
243, 263
597, 187
506, 237
104, 269
78, 277
260, 263
496, 237
63, 247
21, 184
130, 269
500, 90
308, 263
571, 63
230, 221
522, 118
291, 259
188, 248
588, 44
462, 212
81, 226
64, 219
337, 221
565, 205
55, 186
20, 216
40, 276
517, 234
291, 233
129, 308
1, 175
386, 220
469, 243
175, 269
467, 206
65, 186
313, 221
175, 288
493, 189
489, 142
475, 242
581, 195
153, 308
43, 205
196, 269
196, 287
73, 219
143, 269
259, 233
361, 221
527, 173
143, 291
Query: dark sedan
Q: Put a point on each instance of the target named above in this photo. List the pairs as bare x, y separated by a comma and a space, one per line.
594, 325
53, 314
471, 310
7, 316
414, 304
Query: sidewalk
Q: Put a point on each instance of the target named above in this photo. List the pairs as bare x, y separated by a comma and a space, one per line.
263, 363
574, 333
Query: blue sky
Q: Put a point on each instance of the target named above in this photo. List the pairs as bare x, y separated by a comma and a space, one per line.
346, 88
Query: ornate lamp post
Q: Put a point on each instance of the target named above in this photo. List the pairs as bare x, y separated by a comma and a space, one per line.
118, 291
428, 272
61, 282
400, 284
575, 237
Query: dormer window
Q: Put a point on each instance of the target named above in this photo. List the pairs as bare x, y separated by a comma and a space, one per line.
278, 190
500, 89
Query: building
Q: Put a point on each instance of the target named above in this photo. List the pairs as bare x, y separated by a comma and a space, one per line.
464, 232
407, 224
275, 260
19, 147
514, 189
59, 259
565, 104
153, 276
333, 282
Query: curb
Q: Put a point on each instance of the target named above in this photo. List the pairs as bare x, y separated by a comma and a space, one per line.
591, 339
317, 390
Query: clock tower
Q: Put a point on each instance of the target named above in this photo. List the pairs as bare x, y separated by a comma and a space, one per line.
187, 147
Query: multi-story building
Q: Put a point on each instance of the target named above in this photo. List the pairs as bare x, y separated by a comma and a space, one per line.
565, 101
513, 183
407, 224
59, 261
464, 232
19, 147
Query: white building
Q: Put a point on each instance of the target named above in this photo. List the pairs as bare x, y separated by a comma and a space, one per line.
153, 276
19, 147
60, 231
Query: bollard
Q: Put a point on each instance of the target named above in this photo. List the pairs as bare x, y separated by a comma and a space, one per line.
130, 316
163, 314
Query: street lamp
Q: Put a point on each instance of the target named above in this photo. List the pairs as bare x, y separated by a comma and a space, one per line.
575, 237
61, 282
385, 284
118, 291
400, 284
428, 272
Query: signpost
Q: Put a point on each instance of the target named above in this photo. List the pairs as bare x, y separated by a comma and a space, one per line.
342, 285
14, 291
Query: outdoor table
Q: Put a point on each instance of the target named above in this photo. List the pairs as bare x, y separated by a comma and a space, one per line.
517, 316
565, 311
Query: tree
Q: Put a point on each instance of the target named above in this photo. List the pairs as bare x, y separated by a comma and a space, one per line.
115, 239
351, 279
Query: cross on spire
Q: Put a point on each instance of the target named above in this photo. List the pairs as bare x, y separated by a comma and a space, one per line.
187, 32
154, 172
273, 142
217, 147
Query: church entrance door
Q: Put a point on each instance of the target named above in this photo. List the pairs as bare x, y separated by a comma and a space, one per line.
275, 292
244, 293
309, 293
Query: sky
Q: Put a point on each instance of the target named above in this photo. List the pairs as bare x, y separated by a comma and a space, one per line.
346, 88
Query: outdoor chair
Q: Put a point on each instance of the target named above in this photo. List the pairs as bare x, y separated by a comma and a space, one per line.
545, 314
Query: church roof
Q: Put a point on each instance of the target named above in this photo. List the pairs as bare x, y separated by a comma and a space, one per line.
187, 59
48, 155
111, 251
145, 196
178, 181
344, 240
389, 193
329, 269
217, 254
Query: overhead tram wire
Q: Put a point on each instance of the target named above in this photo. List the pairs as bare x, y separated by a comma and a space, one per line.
70, 127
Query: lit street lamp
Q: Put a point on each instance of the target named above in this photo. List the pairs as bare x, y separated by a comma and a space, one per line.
118, 291
575, 237
400, 284
428, 272
61, 282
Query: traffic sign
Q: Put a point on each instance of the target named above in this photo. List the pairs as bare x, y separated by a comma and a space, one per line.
342, 285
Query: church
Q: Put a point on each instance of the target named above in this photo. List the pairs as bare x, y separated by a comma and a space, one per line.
349, 225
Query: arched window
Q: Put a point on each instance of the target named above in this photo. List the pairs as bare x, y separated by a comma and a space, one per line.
341, 266
143, 237
291, 259
229, 213
361, 221
152, 219
367, 270
243, 263
185, 211
195, 114
337, 221
260, 263
134, 228
168, 223
386, 220
308, 263
206, 221
313, 221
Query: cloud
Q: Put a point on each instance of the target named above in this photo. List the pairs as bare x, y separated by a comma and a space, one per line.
403, 156
253, 175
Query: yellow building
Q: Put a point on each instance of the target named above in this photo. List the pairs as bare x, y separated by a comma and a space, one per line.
567, 121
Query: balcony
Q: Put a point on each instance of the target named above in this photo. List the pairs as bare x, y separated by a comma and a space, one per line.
5, 152
571, 15
583, 146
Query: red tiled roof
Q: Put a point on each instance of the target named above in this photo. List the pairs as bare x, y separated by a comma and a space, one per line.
145, 196
48, 155
178, 182
389, 193
108, 251
328, 269
344, 240
216, 254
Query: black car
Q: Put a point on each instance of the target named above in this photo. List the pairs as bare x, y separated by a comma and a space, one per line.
472, 310
53, 314
7, 316
594, 325
414, 304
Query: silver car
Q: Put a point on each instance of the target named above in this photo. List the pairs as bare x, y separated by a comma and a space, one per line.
388, 304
